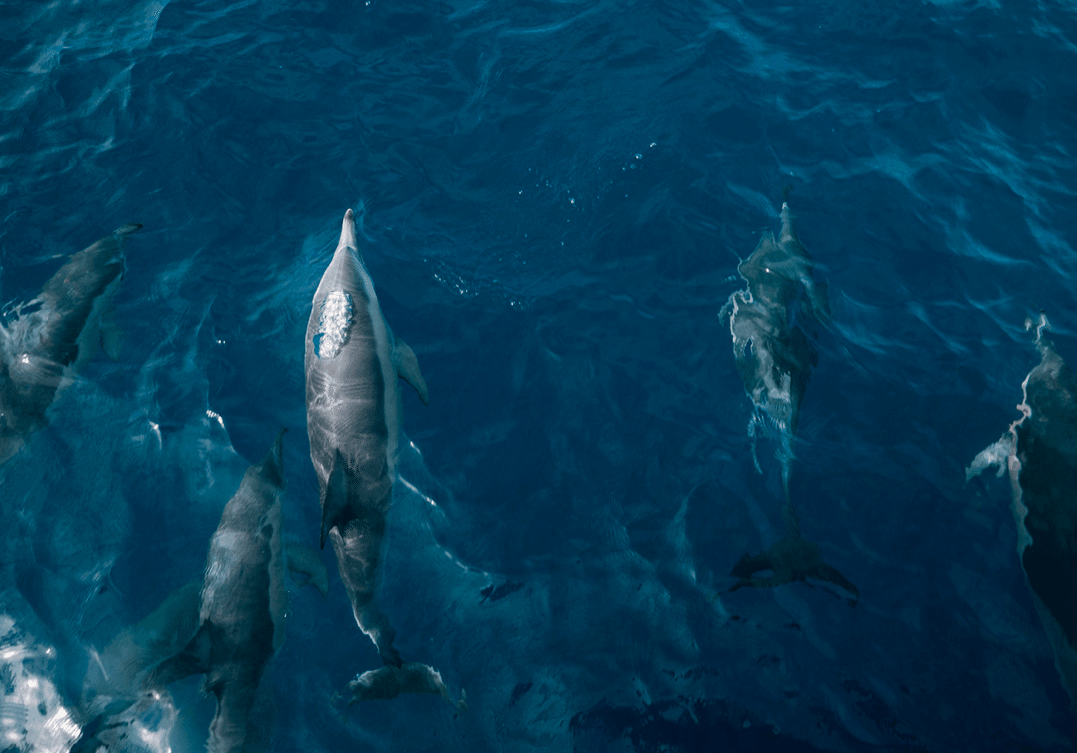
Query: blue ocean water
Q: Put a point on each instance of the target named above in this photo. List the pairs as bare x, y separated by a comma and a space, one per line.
553, 201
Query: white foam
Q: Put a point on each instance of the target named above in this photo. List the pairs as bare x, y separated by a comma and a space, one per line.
334, 324
994, 456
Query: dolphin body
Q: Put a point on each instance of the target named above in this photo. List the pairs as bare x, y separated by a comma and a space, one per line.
352, 363
241, 609
1039, 451
52, 336
227, 626
774, 357
773, 354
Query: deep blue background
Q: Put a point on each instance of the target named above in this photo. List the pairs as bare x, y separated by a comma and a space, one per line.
554, 197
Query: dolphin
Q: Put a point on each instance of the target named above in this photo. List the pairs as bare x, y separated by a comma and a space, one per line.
773, 354
48, 339
352, 362
388, 682
241, 608
226, 625
1039, 450
774, 357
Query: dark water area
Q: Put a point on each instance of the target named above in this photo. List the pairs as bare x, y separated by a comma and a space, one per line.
553, 199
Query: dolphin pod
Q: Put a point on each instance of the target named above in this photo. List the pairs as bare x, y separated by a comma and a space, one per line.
1039, 451
230, 624
50, 337
353, 362
774, 357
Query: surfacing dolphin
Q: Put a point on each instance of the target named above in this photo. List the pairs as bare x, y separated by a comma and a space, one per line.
1040, 452
774, 357
45, 341
773, 353
353, 419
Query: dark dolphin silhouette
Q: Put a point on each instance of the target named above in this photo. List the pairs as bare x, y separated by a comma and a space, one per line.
1040, 453
48, 339
774, 357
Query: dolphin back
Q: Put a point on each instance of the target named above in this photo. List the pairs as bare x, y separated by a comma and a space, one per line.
68, 299
55, 333
353, 363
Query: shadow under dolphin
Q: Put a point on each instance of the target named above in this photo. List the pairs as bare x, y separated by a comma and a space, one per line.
45, 341
1039, 451
774, 357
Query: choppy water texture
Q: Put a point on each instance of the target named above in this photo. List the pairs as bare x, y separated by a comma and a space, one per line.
554, 199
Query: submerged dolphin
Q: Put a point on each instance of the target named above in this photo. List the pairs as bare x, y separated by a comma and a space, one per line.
1040, 452
227, 625
774, 357
773, 354
50, 337
353, 418
241, 608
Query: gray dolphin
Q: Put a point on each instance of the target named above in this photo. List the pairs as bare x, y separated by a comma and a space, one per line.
352, 363
774, 357
242, 606
226, 625
1040, 452
51, 337
773, 354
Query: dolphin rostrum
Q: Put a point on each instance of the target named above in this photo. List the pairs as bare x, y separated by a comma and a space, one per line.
242, 606
1040, 452
353, 418
774, 357
45, 341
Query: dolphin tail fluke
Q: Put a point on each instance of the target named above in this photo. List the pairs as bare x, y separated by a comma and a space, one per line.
407, 366
389, 682
334, 496
791, 559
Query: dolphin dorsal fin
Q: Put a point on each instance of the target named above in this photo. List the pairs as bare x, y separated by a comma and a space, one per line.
334, 496
407, 366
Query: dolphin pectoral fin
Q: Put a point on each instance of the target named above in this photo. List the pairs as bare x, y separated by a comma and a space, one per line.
120, 669
334, 497
125, 230
407, 366
410, 677
194, 659
303, 559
